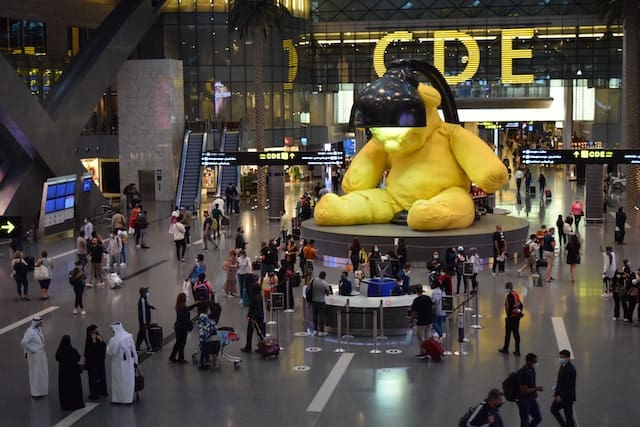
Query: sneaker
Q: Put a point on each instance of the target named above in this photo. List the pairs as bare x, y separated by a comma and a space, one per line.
75, 311
84, 313
138, 246
323, 334
503, 350
89, 285
421, 356
315, 333
206, 250
493, 274
605, 295
615, 318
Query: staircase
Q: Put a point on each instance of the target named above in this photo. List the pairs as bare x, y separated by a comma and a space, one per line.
190, 179
229, 174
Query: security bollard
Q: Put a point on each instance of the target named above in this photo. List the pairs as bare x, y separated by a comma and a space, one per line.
339, 349
375, 335
382, 337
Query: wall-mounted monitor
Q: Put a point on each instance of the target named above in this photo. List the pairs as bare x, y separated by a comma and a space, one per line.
69, 201
51, 192
50, 206
70, 188
86, 184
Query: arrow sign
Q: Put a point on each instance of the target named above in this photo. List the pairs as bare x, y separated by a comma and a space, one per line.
10, 226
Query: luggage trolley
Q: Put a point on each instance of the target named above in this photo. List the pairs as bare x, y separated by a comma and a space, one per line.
225, 336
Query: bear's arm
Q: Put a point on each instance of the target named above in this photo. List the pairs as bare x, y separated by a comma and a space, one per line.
366, 168
476, 158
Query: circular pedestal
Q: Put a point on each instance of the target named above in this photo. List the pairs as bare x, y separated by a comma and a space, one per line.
335, 240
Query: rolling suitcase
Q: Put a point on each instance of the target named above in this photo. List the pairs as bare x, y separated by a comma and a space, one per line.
113, 280
532, 191
267, 347
433, 349
155, 336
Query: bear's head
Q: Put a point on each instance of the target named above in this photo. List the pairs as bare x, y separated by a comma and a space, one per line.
404, 140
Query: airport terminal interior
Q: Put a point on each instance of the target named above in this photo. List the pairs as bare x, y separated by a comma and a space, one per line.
101, 95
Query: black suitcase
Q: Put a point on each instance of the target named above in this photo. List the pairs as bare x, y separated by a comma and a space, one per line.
155, 336
532, 191
31, 263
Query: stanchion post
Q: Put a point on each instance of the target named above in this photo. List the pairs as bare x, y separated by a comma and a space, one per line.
339, 349
375, 334
381, 308
477, 315
446, 336
348, 335
461, 339
288, 296
270, 322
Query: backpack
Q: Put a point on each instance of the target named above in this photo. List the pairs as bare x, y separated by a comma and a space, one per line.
464, 420
72, 277
362, 256
308, 294
510, 387
526, 250
200, 292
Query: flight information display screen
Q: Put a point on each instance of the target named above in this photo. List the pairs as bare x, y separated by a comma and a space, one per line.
594, 156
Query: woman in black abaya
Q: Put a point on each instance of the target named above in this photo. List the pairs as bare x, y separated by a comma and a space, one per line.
69, 380
94, 355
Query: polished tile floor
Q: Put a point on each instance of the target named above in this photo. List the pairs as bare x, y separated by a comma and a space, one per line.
375, 389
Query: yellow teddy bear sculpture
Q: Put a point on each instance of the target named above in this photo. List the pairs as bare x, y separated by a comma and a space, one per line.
430, 171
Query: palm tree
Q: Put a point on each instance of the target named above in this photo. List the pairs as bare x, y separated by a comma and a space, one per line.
256, 19
627, 12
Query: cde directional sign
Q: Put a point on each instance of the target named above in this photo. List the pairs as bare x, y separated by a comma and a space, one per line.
272, 158
10, 227
564, 157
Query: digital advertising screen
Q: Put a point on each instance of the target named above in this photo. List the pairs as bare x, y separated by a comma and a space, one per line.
50, 206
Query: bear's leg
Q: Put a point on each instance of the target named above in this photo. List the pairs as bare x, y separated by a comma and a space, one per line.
373, 206
453, 208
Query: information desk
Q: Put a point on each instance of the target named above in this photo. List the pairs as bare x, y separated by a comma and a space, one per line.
361, 312
377, 286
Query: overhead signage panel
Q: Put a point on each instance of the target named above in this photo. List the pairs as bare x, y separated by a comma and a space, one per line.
10, 227
563, 157
273, 158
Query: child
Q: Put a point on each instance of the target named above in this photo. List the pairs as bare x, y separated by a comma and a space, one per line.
502, 260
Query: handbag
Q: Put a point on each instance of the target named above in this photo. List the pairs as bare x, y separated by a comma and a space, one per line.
139, 380
41, 272
348, 267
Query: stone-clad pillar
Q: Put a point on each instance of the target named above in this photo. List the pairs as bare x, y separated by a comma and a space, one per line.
151, 122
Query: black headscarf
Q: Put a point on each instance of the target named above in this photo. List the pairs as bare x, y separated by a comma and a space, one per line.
89, 341
64, 349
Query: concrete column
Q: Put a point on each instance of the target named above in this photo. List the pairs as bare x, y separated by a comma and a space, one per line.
275, 189
594, 196
567, 130
151, 122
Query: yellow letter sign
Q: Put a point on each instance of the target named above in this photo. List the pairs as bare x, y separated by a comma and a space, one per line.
439, 38
509, 54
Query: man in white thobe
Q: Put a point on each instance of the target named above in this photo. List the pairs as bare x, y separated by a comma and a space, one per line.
122, 351
33, 345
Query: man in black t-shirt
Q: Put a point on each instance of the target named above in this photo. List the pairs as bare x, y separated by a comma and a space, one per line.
499, 245
216, 213
422, 313
528, 393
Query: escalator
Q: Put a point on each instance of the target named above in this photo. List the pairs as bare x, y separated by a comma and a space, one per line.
190, 178
229, 174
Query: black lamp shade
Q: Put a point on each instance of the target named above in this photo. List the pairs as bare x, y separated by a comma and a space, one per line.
391, 101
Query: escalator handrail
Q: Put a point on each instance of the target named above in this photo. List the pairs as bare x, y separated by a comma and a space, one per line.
203, 147
183, 161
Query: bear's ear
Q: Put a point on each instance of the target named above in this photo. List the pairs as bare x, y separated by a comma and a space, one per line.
429, 95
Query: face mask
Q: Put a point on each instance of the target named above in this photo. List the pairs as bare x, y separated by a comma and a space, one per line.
535, 365
563, 361
508, 291
148, 294
436, 256
375, 249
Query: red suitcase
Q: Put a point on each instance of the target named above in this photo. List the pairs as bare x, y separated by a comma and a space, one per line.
267, 347
433, 349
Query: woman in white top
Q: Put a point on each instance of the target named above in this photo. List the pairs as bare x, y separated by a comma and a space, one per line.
244, 270
608, 269
45, 281
475, 259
